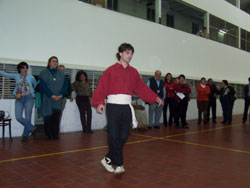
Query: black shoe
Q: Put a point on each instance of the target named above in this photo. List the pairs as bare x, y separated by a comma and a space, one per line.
165, 124
223, 122
24, 139
149, 127
229, 123
170, 124
177, 126
89, 132
214, 121
185, 127
157, 127
33, 132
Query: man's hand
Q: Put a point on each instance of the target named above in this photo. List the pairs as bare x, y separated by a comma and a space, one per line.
159, 101
100, 108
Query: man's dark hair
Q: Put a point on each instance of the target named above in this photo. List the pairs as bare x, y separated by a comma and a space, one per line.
203, 78
123, 47
21, 65
209, 79
181, 75
52, 57
78, 75
249, 79
225, 82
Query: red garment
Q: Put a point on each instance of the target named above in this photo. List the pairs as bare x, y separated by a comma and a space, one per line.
203, 93
119, 80
170, 89
182, 88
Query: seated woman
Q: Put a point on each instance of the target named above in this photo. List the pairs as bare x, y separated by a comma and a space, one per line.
140, 114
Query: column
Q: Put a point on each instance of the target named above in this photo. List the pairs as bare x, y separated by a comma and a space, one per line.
238, 3
206, 23
158, 11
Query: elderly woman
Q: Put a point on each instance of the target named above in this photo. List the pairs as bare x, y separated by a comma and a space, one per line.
54, 88
24, 92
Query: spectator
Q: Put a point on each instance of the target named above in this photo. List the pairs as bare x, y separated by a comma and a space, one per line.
24, 92
203, 32
203, 92
212, 100
227, 99
54, 87
169, 100
181, 102
157, 85
69, 89
140, 113
247, 100
83, 93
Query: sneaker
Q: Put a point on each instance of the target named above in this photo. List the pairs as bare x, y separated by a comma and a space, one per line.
119, 170
106, 162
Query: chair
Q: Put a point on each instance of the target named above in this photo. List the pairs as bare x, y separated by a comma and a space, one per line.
3, 123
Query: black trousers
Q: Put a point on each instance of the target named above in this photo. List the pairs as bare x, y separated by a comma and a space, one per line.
168, 102
84, 107
211, 105
227, 109
51, 124
119, 125
247, 103
181, 112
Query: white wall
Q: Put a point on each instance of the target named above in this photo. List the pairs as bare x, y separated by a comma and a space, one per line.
71, 118
85, 36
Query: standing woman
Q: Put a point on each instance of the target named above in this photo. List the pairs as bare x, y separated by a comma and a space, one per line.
169, 99
24, 92
54, 87
83, 92
203, 92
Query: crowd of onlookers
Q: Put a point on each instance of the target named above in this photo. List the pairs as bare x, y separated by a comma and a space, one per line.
54, 87
176, 95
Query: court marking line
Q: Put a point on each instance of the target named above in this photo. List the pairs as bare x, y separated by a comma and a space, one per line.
151, 138
207, 146
70, 151
188, 133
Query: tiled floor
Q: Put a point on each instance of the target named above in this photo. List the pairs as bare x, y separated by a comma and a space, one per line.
200, 157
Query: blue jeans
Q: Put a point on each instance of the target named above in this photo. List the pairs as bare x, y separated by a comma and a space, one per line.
25, 103
155, 111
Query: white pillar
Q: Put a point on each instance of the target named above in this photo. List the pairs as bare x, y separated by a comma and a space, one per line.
239, 37
206, 23
158, 11
238, 3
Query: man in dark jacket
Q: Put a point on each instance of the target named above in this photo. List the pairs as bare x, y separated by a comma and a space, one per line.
227, 99
212, 100
157, 85
247, 100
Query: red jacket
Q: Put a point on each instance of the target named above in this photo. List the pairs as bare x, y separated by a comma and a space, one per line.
202, 93
182, 88
119, 80
170, 89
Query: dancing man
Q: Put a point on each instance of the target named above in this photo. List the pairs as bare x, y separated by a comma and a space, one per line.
118, 83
